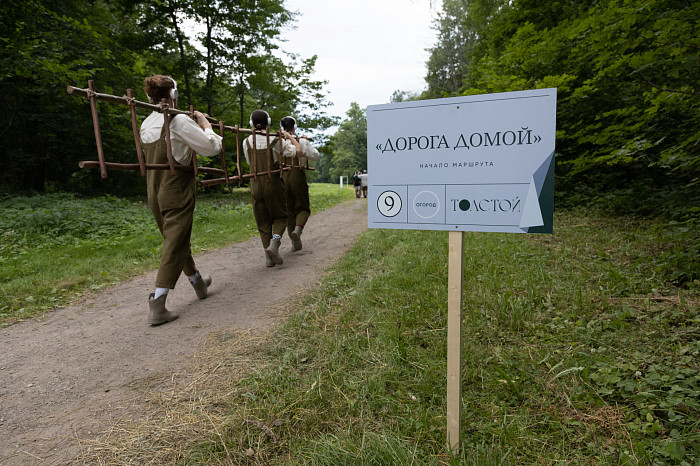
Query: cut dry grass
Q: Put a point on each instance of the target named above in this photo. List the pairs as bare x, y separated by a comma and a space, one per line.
177, 408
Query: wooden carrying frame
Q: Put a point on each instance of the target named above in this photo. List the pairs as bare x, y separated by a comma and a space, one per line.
128, 100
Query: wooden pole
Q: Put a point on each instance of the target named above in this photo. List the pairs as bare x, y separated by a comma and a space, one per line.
223, 151
254, 168
283, 160
135, 128
194, 154
194, 163
96, 128
455, 283
238, 156
209, 182
296, 157
269, 155
148, 166
215, 181
168, 146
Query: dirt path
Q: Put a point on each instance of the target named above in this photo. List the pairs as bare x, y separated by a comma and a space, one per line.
65, 377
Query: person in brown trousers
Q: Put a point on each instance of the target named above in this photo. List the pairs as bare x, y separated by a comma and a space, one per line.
295, 185
171, 197
269, 202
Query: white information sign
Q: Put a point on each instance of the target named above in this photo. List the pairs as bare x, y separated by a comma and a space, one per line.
473, 163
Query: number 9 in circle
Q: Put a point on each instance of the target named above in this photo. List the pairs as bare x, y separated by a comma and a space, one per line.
389, 203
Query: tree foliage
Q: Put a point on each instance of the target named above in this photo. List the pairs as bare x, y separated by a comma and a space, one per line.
346, 151
228, 69
46, 46
627, 77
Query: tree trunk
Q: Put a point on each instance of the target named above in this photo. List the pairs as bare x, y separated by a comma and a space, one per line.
240, 102
210, 65
183, 58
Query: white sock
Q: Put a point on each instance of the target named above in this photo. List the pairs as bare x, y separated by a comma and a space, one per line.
194, 278
160, 292
276, 237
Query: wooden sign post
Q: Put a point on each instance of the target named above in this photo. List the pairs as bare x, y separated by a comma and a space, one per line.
454, 339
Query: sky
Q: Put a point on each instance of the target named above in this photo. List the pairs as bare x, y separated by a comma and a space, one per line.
366, 49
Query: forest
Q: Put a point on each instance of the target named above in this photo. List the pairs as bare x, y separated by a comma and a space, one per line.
626, 73
628, 113
227, 66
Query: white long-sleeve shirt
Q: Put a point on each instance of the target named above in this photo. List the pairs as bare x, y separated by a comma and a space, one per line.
186, 136
310, 152
288, 149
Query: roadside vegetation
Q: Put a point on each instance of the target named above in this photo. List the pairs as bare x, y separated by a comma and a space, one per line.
581, 347
56, 247
578, 349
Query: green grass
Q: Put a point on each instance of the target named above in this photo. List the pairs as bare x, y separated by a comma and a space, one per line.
577, 350
577, 347
54, 248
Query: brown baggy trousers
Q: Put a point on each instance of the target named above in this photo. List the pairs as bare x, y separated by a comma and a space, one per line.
297, 191
171, 199
269, 202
